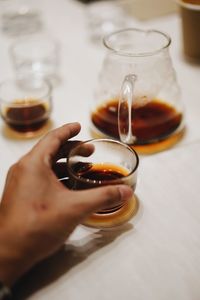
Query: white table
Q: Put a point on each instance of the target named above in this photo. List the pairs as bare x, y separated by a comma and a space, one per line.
157, 256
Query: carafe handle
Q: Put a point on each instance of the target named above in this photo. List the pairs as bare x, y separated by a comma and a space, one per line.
125, 110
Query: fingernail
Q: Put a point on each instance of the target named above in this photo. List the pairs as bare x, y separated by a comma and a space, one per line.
125, 191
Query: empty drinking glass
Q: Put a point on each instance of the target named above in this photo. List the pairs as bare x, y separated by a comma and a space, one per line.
105, 17
18, 17
35, 56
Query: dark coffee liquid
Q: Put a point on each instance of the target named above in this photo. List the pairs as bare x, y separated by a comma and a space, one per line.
151, 122
26, 115
98, 174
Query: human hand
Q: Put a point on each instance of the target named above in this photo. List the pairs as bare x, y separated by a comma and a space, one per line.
37, 212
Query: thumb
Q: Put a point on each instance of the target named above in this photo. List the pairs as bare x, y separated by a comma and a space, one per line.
90, 201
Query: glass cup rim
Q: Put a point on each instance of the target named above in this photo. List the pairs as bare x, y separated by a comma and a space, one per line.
137, 54
190, 6
84, 180
41, 98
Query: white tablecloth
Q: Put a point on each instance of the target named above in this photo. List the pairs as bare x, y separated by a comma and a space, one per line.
157, 256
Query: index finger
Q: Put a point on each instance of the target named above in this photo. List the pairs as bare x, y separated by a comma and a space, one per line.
48, 146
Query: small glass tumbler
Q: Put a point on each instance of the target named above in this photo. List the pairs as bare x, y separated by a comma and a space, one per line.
19, 18
35, 57
105, 17
25, 108
101, 162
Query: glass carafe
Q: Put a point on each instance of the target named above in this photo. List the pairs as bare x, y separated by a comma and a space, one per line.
137, 99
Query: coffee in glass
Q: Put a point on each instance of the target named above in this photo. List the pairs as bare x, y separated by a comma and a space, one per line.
102, 162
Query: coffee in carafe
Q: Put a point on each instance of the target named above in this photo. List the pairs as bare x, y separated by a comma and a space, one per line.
151, 122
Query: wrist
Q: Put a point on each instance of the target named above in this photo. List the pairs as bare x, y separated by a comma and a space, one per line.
12, 263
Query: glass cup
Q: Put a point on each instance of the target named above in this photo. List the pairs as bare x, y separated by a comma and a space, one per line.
105, 17
35, 57
25, 108
19, 18
101, 162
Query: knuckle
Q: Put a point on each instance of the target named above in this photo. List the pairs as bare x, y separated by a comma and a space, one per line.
54, 138
76, 204
12, 168
111, 193
54, 134
55, 142
22, 164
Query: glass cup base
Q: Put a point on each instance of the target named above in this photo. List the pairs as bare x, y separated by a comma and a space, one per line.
10, 133
116, 218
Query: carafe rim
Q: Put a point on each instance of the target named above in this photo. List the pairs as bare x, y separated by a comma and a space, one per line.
106, 42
